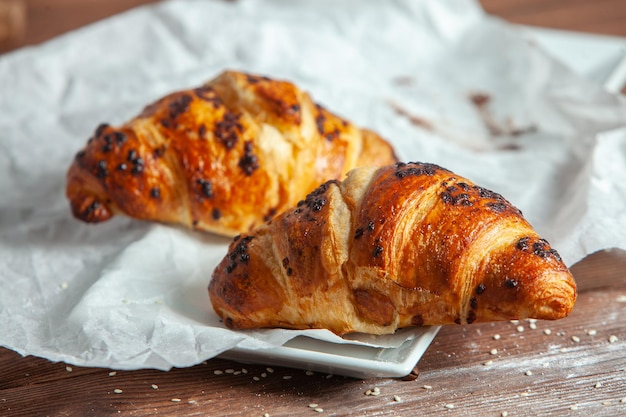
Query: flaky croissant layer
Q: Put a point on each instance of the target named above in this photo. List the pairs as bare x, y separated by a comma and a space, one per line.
403, 245
224, 157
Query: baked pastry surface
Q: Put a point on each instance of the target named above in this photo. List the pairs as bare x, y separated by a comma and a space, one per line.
403, 245
224, 157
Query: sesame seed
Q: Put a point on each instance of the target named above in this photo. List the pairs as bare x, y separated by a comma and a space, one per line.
256, 378
112, 373
449, 406
244, 371
309, 373
270, 370
598, 385
397, 398
504, 414
68, 368
237, 373
266, 415
287, 377
329, 376
487, 363
175, 400
575, 339
312, 405
591, 332
264, 375
427, 387
319, 410
525, 394
532, 325
520, 328
496, 337
529, 373
573, 407
606, 403
154, 386
514, 321
547, 331
117, 391
218, 372
613, 338
494, 351
230, 371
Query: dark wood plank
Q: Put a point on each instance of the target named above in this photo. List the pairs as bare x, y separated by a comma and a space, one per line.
48, 18
603, 16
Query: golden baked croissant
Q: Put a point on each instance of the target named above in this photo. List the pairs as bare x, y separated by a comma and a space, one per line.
403, 245
224, 157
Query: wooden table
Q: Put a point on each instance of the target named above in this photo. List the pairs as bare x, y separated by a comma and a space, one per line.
576, 366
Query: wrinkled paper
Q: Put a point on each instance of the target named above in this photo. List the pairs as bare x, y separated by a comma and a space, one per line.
441, 80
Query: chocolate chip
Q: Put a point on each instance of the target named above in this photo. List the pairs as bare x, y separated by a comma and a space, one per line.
179, 105
471, 317
132, 155
206, 188
100, 129
497, 207
249, 161
120, 137
480, 288
227, 130
510, 283
102, 170
522, 243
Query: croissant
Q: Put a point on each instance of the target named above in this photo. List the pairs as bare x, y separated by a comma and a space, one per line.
403, 245
224, 157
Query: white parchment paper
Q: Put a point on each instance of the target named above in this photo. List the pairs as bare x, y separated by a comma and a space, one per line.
442, 81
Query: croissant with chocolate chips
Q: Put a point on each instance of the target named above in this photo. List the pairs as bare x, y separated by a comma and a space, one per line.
392, 247
224, 157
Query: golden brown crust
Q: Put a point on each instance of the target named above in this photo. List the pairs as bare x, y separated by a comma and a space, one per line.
224, 157
407, 244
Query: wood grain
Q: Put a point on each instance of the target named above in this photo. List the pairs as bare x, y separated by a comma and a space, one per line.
602, 16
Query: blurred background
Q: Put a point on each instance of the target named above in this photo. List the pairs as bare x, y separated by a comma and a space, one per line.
29, 22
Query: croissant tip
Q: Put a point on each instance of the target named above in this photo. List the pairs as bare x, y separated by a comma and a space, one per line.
559, 301
90, 210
